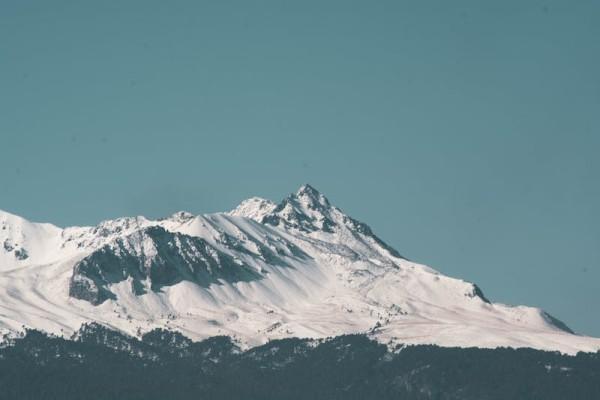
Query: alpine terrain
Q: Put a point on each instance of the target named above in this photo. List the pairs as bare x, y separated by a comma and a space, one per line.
300, 268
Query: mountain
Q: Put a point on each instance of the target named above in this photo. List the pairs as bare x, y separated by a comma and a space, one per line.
263, 271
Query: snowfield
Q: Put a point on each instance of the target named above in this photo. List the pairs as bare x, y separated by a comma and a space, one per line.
300, 268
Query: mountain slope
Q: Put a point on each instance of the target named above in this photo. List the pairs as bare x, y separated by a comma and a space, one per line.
300, 268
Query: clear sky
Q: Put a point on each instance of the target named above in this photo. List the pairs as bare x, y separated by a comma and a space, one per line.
466, 133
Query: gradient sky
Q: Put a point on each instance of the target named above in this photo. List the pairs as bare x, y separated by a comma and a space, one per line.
466, 133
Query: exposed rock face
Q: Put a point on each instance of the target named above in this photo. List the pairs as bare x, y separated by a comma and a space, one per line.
150, 259
14, 248
477, 292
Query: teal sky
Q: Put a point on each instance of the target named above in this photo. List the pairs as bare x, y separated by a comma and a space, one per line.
466, 133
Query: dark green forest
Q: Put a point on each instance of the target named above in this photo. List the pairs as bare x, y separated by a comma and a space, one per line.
98, 363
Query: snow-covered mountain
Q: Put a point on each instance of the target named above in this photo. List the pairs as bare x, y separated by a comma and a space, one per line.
300, 268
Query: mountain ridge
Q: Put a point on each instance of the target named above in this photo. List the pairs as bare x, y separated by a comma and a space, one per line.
298, 268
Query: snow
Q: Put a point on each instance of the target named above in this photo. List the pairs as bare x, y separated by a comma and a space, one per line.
331, 276
254, 208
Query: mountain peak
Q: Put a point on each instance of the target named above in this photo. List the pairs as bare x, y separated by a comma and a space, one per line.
307, 210
307, 189
308, 195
